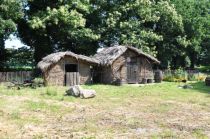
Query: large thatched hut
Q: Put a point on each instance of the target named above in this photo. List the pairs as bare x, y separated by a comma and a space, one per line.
124, 64
67, 68
121, 64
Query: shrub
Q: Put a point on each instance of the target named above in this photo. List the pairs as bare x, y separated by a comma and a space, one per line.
168, 78
175, 76
192, 77
38, 81
181, 75
201, 77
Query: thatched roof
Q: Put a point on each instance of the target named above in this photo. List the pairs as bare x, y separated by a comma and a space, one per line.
56, 57
108, 55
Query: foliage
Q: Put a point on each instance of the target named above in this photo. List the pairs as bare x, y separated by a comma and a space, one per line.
143, 24
20, 58
205, 69
175, 76
58, 25
176, 31
10, 12
182, 75
170, 26
128, 22
196, 19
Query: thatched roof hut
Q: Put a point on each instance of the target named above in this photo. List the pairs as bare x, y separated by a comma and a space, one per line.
124, 63
67, 68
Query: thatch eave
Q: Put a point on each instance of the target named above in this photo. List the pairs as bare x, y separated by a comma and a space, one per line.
54, 58
110, 54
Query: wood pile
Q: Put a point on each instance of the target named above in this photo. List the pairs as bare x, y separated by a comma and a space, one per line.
27, 83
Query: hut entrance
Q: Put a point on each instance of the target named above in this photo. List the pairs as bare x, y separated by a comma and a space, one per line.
132, 69
72, 74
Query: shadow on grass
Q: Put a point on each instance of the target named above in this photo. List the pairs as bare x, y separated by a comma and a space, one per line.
201, 87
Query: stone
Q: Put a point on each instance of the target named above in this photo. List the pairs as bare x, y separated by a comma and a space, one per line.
185, 86
74, 91
85, 93
77, 91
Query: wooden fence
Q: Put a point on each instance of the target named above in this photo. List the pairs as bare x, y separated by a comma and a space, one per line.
17, 76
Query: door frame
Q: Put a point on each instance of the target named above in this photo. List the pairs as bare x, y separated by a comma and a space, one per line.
132, 66
73, 74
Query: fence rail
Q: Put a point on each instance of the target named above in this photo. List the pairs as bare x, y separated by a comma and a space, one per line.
17, 76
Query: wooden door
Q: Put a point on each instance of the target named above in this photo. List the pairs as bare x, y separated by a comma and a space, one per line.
132, 73
72, 78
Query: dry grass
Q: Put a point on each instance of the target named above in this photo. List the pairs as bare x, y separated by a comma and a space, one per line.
155, 111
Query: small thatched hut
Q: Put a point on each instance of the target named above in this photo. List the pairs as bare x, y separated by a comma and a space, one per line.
67, 68
124, 64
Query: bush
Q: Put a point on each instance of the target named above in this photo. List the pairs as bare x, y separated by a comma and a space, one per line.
192, 77
180, 75
201, 77
175, 76
38, 81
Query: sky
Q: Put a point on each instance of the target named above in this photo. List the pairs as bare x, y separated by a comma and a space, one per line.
13, 42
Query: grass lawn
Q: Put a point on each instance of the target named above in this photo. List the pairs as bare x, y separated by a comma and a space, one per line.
129, 111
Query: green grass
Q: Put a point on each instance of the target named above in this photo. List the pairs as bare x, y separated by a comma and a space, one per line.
42, 106
199, 134
155, 111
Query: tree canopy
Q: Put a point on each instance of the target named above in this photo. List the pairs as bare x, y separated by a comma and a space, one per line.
10, 12
176, 31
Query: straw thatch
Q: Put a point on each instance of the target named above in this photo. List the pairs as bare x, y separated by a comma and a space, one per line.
56, 57
108, 55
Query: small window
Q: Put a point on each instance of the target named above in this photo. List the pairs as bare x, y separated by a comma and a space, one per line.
71, 68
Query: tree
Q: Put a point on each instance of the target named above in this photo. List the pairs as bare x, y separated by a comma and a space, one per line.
51, 26
127, 22
154, 27
170, 25
10, 12
196, 19
20, 58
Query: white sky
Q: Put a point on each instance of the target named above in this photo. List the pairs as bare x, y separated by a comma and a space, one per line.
13, 42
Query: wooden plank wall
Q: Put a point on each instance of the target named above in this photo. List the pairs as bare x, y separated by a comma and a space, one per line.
17, 76
72, 78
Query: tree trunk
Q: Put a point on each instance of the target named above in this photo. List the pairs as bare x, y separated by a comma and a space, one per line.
174, 62
2, 52
192, 59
